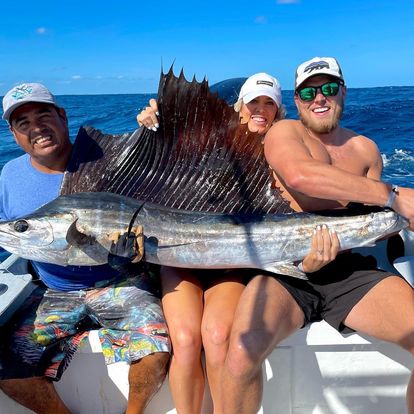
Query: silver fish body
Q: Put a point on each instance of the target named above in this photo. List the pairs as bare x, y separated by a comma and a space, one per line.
70, 230
76, 230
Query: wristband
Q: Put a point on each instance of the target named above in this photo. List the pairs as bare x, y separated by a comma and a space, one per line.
392, 195
300, 267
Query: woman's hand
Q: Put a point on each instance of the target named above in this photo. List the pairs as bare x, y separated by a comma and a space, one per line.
324, 248
148, 116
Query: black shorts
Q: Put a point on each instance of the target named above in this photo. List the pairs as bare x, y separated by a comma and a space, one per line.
333, 291
211, 277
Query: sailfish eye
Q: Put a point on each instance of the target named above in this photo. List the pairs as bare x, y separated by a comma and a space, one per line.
21, 226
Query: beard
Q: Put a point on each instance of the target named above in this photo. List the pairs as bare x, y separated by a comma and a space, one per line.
326, 126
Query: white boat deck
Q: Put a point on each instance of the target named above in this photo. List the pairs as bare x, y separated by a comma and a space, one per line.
315, 371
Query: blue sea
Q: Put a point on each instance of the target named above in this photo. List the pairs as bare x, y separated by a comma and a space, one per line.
384, 114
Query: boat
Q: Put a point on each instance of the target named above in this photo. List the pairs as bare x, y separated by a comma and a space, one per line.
315, 371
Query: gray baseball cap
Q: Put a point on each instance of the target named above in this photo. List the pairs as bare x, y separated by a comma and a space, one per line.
24, 93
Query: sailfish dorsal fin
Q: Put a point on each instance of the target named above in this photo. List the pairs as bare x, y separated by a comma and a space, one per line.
200, 158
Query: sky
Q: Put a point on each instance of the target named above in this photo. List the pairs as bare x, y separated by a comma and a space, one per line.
109, 47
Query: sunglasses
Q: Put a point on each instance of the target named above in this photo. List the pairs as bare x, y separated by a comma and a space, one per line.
308, 93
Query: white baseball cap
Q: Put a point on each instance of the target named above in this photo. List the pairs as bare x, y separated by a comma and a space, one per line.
261, 84
24, 93
318, 66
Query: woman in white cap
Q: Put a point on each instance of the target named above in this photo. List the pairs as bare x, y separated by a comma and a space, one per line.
260, 103
199, 305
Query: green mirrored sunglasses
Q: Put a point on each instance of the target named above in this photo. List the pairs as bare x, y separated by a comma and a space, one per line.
308, 93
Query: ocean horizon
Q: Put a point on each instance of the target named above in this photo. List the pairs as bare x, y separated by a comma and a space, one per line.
385, 114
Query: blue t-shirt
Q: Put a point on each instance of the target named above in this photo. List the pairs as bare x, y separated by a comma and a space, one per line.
23, 189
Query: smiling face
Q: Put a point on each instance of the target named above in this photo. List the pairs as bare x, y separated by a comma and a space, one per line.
322, 114
259, 114
41, 130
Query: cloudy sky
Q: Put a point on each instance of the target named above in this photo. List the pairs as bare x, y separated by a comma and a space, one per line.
98, 47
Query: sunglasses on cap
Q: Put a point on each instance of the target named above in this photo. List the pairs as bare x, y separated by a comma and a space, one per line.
308, 93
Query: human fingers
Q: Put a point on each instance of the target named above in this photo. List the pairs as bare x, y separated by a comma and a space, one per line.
313, 261
327, 244
319, 238
314, 241
114, 236
404, 204
154, 105
148, 116
148, 119
153, 114
143, 118
330, 244
335, 243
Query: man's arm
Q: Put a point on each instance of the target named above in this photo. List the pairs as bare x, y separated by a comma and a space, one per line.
292, 161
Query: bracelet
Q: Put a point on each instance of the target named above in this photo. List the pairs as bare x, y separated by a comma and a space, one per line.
392, 195
300, 267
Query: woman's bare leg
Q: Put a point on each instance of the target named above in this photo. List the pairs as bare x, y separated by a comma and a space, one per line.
220, 302
183, 307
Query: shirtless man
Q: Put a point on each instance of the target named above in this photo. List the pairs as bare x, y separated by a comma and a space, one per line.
317, 164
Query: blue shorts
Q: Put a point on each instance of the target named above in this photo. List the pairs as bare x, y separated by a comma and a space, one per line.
42, 337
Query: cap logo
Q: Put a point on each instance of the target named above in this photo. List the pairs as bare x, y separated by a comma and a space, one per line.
264, 82
316, 66
21, 92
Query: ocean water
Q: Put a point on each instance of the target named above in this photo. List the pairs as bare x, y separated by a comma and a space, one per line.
385, 115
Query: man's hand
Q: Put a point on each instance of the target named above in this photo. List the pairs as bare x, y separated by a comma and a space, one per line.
148, 116
126, 248
324, 248
404, 204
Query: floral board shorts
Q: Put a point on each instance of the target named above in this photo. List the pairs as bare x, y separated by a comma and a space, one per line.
42, 337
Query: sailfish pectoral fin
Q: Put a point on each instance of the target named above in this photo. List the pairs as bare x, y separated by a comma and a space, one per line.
285, 268
76, 238
88, 244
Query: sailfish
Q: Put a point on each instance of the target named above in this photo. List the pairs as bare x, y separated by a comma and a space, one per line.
200, 188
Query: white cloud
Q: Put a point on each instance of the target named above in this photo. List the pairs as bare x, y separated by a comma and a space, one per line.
76, 77
41, 30
260, 20
120, 77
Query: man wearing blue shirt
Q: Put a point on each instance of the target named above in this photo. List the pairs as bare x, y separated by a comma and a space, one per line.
71, 300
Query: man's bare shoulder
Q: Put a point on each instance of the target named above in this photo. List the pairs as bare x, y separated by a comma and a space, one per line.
283, 128
359, 140
364, 153
286, 123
